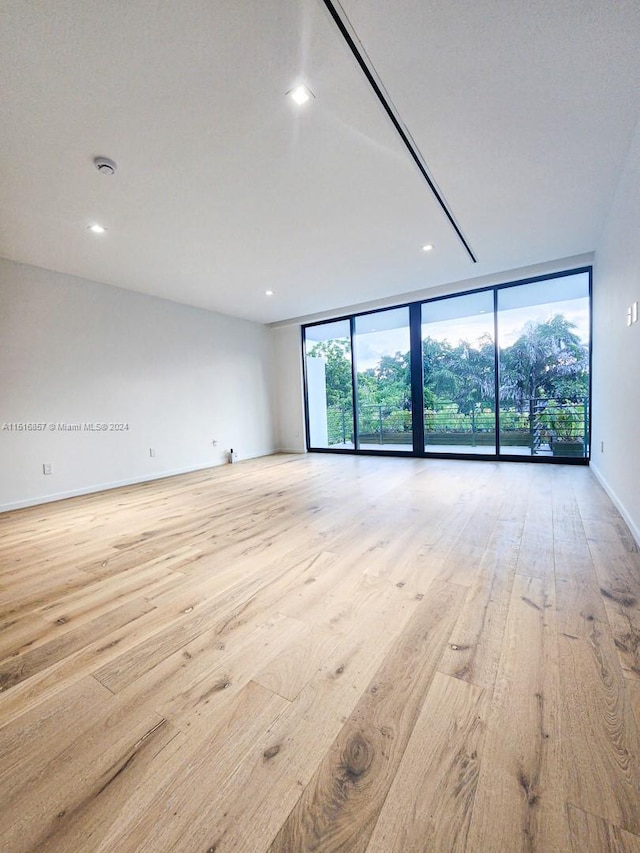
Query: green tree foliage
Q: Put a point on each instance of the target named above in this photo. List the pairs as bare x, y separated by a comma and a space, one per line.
463, 374
547, 360
388, 383
337, 356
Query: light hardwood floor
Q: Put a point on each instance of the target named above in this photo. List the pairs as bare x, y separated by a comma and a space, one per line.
323, 653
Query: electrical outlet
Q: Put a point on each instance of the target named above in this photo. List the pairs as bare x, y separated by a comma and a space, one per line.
46, 468
152, 451
214, 442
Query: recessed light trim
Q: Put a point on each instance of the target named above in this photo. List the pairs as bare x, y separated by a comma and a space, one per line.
96, 228
427, 247
269, 292
301, 94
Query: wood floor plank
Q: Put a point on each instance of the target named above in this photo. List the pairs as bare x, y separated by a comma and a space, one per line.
23, 666
86, 826
28, 744
599, 516
474, 648
323, 653
217, 612
24, 632
101, 596
192, 697
601, 744
535, 558
342, 606
572, 560
285, 755
430, 802
339, 807
519, 803
625, 628
61, 675
469, 545
32, 814
567, 520
589, 832
454, 506
43, 586
190, 686
618, 572
188, 786
290, 671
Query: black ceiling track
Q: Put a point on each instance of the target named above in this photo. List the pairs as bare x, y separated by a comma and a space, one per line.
410, 145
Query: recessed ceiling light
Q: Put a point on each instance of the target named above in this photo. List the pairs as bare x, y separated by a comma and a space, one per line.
97, 229
427, 247
269, 292
300, 95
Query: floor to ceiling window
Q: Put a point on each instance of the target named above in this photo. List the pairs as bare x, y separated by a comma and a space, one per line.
329, 386
459, 373
382, 354
500, 372
543, 345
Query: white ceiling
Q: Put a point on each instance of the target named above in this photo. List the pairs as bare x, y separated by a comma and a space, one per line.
523, 110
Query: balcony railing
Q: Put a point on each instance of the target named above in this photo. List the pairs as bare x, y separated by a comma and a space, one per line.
542, 426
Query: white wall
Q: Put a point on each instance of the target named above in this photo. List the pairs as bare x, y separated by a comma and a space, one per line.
616, 347
290, 428
501, 277
74, 351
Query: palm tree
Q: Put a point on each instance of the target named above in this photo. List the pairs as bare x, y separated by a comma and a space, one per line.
547, 360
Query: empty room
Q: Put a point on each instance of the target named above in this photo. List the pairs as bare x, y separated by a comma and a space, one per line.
319, 405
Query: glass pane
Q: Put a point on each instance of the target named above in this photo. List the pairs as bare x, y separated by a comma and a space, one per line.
458, 362
329, 385
382, 356
543, 335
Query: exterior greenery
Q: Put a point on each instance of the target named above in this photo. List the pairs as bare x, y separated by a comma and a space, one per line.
544, 383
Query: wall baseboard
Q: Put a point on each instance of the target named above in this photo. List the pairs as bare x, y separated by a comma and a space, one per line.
633, 527
105, 487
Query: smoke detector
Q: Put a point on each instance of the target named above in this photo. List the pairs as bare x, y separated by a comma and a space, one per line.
105, 165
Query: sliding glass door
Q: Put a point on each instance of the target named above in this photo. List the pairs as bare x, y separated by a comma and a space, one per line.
383, 380
543, 335
499, 372
459, 374
329, 386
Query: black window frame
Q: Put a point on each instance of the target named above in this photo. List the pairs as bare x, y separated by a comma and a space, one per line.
417, 387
